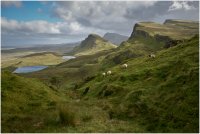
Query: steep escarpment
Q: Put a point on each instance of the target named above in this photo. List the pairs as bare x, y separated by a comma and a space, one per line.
91, 45
182, 23
170, 33
150, 37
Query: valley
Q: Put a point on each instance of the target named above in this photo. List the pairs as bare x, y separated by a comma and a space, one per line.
153, 94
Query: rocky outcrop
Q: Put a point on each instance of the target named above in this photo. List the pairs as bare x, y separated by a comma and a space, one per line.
172, 43
139, 31
170, 33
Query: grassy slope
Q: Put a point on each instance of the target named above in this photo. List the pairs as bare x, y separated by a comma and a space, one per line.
173, 29
26, 102
125, 51
152, 95
72, 71
30, 106
46, 58
91, 45
99, 47
145, 39
160, 94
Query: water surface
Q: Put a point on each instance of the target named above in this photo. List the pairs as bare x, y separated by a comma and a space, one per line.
28, 69
68, 57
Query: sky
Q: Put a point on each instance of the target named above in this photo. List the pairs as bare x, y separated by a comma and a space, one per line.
25, 23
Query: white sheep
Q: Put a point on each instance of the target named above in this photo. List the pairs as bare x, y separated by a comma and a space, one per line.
124, 66
109, 72
152, 55
104, 74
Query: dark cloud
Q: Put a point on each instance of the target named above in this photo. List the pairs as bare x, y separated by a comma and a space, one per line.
148, 13
119, 16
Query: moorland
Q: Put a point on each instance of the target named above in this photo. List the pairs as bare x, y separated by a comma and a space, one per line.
153, 94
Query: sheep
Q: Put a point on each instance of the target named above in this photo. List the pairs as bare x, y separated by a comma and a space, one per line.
124, 66
39, 124
104, 74
152, 55
109, 72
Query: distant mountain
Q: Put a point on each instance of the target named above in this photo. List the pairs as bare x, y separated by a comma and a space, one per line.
58, 48
92, 44
115, 38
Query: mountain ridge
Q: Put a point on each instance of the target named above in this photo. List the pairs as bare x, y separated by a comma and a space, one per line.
170, 30
92, 44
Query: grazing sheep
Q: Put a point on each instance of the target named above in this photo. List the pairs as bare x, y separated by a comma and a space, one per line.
78, 100
109, 72
124, 66
152, 55
39, 124
104, 74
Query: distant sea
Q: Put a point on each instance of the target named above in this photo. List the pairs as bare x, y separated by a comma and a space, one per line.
7, 47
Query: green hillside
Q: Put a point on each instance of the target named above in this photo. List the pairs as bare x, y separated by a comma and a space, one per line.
171, 31
160, 94
91, 45
174, 29
151, 95
150, 37
25, 103
73, 71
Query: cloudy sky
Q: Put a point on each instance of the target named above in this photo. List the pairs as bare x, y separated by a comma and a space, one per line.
37, 22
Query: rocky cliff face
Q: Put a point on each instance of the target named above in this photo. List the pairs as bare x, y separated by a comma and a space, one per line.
170, 33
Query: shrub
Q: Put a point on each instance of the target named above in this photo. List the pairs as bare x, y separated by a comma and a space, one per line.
66, 116
56, 81
86, 117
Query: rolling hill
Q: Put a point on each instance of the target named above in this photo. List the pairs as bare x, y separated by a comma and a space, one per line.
42, 58
91, 45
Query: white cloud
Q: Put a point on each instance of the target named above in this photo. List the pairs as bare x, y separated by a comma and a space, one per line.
178, 5
11, 3
105, 15
38, 26
44, 31
44, 27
